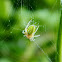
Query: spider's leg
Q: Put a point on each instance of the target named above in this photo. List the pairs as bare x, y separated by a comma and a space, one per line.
36, 30
28, 23
25, 29
36, 35
23, 32
32, 39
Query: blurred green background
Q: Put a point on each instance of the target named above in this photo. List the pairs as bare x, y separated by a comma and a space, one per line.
14, 16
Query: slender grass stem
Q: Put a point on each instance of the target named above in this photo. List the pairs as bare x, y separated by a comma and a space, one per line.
59, 41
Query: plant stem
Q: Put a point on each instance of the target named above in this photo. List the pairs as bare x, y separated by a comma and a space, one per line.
59, 41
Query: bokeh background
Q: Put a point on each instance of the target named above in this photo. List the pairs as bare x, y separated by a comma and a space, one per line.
14, 16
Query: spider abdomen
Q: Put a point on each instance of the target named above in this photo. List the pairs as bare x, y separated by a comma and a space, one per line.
31, 29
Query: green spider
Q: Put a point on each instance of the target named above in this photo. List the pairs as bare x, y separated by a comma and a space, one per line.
30, 31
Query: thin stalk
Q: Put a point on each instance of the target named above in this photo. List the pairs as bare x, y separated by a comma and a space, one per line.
59, 41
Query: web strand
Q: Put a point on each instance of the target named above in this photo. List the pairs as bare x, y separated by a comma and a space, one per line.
43, 51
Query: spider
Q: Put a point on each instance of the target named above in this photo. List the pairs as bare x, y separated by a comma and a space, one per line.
30, 31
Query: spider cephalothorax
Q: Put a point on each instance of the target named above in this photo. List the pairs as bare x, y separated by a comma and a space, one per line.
30, 31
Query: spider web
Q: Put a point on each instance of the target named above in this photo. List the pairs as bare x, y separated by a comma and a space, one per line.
41, 26
44, 26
